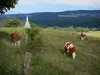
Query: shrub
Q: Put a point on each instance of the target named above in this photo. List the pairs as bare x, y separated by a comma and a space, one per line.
94, 29
80, 29
34, 39
11, 22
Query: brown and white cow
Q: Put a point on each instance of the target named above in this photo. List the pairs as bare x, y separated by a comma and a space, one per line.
70, 48
83, 35
15, 38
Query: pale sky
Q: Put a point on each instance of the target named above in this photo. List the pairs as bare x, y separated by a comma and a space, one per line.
32, 6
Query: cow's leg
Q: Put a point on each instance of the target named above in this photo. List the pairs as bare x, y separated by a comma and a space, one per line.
82, 38
15, 44
73, 55
18, 42
12, 41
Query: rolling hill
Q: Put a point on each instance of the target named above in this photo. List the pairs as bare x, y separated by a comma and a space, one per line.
82, 18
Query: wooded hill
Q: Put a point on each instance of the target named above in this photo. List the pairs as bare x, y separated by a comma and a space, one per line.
79, 18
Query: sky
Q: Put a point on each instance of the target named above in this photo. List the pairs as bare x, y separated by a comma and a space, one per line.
33, 6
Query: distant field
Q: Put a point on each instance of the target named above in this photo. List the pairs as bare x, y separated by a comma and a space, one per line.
51, 59
94, 34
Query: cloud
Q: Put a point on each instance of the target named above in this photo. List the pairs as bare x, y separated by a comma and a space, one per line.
71, 2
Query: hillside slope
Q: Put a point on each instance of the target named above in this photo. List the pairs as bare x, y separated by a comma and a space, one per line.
51, 59
82, 18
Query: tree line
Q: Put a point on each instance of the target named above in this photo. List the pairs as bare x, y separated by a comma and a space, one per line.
14, 22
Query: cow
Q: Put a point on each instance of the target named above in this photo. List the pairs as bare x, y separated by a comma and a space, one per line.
15, 38
70, 48
83, 35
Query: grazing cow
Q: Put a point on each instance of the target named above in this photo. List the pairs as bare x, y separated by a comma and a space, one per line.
70, 48
15, 38
83, 35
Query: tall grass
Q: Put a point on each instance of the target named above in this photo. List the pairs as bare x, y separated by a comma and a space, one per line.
87, 59
51, 61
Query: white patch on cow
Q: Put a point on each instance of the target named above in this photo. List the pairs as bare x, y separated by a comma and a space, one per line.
73, 55
67, 42
71, 45
68, 47
84, 33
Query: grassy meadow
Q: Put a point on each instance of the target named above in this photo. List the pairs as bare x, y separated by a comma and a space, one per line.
94, 34
50, 60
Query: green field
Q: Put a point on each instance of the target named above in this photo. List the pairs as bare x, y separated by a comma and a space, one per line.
94, 34
51, 60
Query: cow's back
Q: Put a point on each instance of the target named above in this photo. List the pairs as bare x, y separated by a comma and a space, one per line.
15, 37
83, 34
